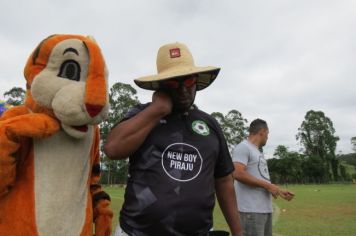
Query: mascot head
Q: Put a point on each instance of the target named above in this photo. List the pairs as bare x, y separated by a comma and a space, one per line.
67, 78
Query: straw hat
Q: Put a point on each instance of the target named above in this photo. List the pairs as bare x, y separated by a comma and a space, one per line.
174, 61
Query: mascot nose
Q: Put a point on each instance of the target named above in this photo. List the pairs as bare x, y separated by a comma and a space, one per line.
93, 110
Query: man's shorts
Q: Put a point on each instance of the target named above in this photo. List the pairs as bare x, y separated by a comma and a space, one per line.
256, 224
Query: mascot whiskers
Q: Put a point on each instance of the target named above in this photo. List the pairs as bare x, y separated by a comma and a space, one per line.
49, 147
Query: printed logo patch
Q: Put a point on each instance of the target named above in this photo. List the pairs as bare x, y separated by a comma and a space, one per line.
182, 162
175, 52
200, 127
263, 168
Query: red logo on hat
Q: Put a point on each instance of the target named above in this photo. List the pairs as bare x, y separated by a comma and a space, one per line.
175, 52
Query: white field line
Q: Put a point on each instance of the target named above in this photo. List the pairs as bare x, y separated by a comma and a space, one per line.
116, 197
276, 213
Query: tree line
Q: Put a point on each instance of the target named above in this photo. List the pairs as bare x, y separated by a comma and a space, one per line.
315, 163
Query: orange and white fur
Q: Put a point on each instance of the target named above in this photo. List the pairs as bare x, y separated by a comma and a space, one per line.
49, 147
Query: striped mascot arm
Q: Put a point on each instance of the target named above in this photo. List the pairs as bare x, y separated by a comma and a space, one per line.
16, 125
102, 214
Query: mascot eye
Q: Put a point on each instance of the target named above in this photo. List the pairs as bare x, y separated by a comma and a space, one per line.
70, 70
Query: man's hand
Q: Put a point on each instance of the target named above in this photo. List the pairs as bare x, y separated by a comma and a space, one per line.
285, 194
162, 102
274, 190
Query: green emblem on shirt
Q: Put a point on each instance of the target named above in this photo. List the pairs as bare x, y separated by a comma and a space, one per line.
200, 127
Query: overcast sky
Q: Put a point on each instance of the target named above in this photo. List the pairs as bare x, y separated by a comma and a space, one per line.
279, 59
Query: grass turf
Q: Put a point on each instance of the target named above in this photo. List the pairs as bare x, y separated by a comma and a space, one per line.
316, 210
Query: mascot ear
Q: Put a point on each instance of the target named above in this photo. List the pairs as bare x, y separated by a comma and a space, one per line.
91, 38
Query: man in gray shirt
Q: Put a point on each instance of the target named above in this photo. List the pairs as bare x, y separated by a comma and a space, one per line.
253, 186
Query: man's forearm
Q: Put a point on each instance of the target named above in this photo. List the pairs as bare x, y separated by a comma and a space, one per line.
127, 136
227, 200
249, 179
241, 175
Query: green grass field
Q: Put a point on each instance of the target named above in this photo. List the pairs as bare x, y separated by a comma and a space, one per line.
325, 210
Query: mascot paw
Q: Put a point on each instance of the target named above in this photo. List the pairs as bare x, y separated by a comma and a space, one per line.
103, 218
11, 130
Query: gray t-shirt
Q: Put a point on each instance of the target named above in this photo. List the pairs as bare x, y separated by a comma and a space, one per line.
250, 198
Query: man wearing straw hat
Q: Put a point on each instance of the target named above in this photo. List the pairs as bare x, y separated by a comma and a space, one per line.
178, 155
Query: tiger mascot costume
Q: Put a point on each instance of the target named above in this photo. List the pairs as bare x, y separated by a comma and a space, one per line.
49, 147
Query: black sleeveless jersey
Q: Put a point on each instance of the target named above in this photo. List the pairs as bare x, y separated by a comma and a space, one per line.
170, 189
